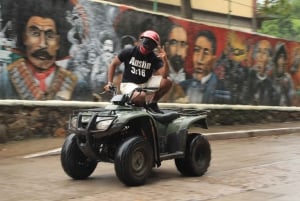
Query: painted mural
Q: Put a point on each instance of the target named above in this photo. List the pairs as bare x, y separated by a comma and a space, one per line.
61, 49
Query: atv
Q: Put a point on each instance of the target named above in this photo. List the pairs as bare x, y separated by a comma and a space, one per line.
135, 140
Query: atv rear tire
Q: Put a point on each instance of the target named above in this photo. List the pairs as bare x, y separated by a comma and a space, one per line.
134, 161
197, 156
74, 162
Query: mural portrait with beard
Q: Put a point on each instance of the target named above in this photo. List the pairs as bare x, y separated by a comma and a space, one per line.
176, 49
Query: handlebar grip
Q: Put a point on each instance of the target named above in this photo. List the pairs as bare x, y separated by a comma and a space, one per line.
112, 88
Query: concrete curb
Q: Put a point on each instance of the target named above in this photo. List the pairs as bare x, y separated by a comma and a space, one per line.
44, 153
210, 136
251, 133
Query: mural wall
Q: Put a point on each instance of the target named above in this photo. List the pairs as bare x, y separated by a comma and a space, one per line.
61, 50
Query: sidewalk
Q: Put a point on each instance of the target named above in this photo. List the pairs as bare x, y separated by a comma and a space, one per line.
251, 130
51, 146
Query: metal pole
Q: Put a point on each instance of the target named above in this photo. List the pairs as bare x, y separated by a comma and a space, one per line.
155, 5
1, 17
229, 13
254, 20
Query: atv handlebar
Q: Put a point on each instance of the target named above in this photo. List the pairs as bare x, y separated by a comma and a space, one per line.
113, 90
145, 89
142, 89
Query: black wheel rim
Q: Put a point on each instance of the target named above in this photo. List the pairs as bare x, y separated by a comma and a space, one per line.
139, 162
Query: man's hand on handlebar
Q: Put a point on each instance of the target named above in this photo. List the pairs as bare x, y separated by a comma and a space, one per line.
109, 86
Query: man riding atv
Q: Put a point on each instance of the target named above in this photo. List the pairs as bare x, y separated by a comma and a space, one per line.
143, 68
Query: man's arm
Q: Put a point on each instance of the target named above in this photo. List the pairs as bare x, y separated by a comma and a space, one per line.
111, 72
164, 70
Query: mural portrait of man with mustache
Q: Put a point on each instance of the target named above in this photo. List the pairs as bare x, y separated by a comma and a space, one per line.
36, 76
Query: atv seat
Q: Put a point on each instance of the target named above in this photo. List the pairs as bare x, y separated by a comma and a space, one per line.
165, 118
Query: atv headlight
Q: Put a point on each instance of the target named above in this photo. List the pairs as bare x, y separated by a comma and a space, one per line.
73, 122
103, 124
85, 118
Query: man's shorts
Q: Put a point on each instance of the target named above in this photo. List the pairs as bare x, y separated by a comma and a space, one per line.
128, 87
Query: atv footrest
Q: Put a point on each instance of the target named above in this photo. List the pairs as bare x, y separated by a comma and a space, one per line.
167, 156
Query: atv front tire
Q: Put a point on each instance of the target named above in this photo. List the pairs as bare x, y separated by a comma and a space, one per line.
74, 162
197, 156
134, 161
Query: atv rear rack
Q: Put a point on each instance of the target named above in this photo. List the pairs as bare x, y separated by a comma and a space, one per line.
187, 112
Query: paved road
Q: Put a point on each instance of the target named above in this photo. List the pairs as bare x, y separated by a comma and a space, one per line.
253, 169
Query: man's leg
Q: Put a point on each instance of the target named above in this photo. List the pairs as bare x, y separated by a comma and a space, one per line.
163, 87
137, 98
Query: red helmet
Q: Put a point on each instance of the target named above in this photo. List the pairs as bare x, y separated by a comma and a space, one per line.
152, 35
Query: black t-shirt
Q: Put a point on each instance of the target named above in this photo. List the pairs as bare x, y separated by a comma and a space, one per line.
138, 67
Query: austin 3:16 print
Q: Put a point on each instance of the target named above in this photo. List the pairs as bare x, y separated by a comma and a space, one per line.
135, 140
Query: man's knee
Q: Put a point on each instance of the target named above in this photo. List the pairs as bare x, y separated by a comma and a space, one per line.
166, 83
139, 99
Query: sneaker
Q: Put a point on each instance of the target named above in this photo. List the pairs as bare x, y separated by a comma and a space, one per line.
153, 107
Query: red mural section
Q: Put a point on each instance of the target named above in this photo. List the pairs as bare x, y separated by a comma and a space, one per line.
208, 64
250, 68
